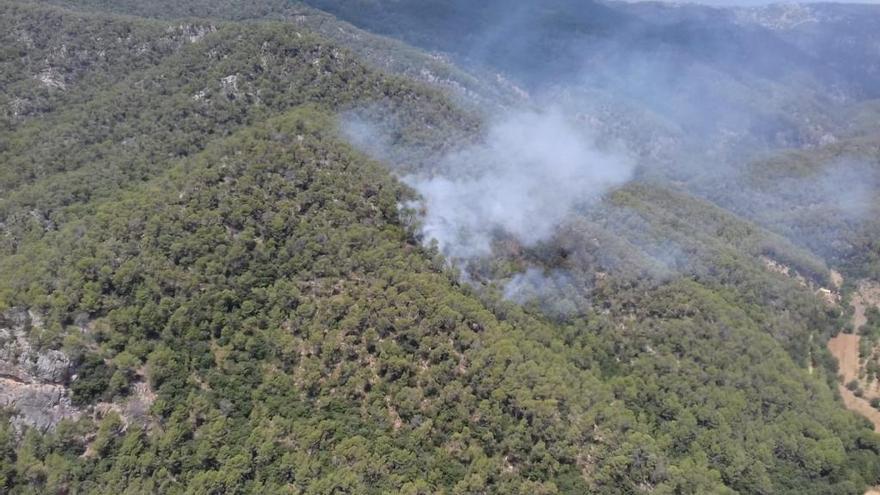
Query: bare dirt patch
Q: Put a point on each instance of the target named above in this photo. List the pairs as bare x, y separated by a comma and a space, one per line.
861, 406
845, 347
865, 369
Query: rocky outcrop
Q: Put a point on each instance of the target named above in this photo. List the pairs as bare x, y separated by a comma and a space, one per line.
190, 32
20, 360
778, 17
32, 382
37, 405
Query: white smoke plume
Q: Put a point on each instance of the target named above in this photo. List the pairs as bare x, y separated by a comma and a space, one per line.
545, 288
529, 172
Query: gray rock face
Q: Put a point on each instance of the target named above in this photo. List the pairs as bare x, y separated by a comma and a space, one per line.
38, 405
18, 358
32, 382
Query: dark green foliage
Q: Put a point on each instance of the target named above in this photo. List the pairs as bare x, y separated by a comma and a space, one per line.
871, 328
285, 318
233, 252
93, 380
140, 122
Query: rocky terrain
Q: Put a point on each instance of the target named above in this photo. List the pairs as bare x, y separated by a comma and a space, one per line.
33, 383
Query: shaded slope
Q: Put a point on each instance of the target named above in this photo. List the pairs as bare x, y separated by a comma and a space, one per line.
139, 122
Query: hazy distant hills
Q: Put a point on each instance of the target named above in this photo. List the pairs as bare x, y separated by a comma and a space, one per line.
726, 82
559, 38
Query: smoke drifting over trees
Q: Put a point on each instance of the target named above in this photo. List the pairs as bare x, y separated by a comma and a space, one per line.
523, 179
688, 96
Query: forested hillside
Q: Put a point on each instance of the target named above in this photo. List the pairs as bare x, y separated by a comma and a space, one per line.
207, 287
824, 199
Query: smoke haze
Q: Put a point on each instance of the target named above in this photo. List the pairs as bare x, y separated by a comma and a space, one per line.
611, 93
531, 170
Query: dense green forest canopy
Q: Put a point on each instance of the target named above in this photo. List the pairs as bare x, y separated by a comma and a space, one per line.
181, 213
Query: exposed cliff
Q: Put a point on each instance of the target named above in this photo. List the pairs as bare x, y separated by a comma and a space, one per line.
33, 382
